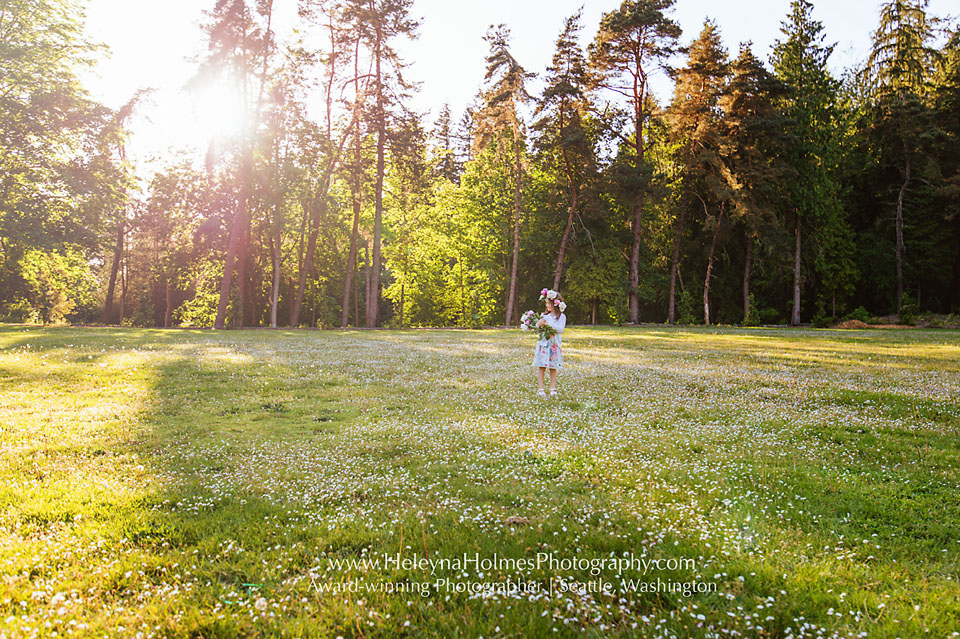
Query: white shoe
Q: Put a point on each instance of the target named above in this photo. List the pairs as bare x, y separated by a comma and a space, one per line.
540, 393
553, 393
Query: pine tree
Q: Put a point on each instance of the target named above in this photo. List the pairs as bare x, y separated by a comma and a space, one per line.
448, 165
900, 69
633, 42
562, 109
800, 62
500, 123
695, 127
754, 143
378, 23
947, 109
237, 43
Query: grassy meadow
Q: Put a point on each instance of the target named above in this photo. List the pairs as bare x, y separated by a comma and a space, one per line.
798, 483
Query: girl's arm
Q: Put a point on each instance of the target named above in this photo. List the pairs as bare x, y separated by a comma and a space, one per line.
556, 324
560, 323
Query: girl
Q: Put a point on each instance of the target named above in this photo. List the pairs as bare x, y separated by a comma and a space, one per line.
548, 354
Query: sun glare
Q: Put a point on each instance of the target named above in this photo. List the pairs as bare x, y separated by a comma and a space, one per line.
217, 112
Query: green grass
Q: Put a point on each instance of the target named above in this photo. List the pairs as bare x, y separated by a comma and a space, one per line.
212, 484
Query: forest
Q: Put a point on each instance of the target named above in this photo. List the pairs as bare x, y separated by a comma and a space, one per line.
762, 192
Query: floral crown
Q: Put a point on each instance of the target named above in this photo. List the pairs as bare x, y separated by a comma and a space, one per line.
550, 294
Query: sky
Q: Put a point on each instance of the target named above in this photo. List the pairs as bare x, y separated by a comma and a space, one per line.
157, 44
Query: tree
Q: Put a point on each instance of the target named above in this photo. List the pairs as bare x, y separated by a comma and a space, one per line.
695, 125
117, 139
378, 22
499, 123
562, 110
800, 62
900, 69
236, 44
56, 181
446, 161
632, 42
946, 102
753, 148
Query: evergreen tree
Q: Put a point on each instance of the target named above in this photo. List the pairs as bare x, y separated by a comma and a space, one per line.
754, 142
900, 69
237, 42
633, 42
500, 123
947, 110
378, 23
695, 127
563, 135
447, 163
800, 62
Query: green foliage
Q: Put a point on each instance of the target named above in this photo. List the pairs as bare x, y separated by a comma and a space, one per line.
820, 318
56, 283
860, 313
908, 310
768, 153
198, 311
753, 314
687, 309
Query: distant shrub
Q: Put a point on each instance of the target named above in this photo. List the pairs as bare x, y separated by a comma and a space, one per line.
199, 311
685, 309
908, 310
770, 316
20, 312
859, 313
820, 319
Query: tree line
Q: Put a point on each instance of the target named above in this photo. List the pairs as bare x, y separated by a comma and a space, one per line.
760, 192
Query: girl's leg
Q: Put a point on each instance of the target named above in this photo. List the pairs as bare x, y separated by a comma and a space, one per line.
553, 379
540, 378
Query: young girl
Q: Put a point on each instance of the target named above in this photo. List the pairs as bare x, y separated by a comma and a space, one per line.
548, 354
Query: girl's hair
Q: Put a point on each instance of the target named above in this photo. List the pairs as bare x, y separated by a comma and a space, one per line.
556, 311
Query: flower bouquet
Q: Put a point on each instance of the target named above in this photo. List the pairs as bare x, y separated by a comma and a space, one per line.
528, 322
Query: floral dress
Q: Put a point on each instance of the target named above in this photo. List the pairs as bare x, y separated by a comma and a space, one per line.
548, 353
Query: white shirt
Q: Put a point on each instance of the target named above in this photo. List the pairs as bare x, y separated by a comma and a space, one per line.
556, 323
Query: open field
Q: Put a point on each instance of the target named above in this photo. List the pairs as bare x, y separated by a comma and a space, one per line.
201, 484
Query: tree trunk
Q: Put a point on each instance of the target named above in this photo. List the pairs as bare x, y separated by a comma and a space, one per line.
123, 293
706, 281
368, 278
275, 290
373, 291
317, 207
243, 275
674, 265
351, 265
168, 299
639, 99
593, 312
294, 287
356, 195
574, 196
511, 296
747, 266
114, 269
635, 264
402, 300
903, 192
463, 301
795, 317
232, 244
